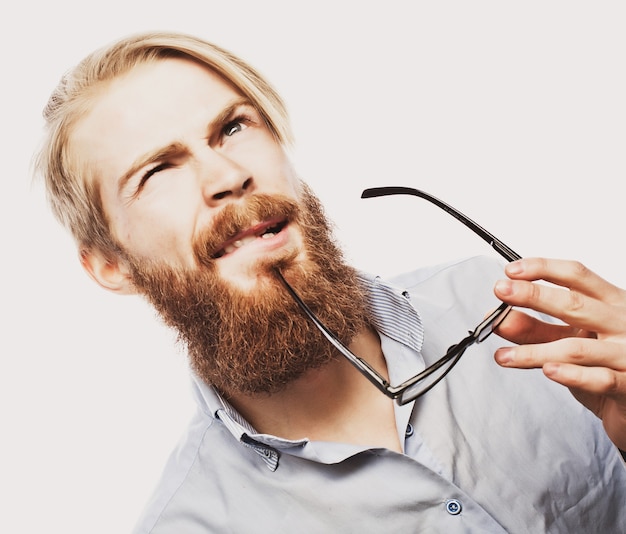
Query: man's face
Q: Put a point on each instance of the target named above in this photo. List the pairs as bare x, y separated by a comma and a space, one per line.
171, 145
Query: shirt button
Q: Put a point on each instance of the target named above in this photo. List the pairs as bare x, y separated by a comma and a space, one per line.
453, 507
409, 430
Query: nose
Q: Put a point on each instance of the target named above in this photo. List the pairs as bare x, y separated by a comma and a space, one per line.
224, 179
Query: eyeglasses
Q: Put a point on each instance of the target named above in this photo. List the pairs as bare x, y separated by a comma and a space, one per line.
421, 383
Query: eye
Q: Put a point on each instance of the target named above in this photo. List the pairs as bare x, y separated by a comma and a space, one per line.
151, 172
234, 126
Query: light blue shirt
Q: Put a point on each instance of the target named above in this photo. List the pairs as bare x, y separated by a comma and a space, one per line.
487, 450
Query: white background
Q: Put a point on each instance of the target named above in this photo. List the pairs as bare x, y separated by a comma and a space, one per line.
514, 112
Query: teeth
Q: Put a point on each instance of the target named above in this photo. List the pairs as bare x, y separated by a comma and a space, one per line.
269, 233
239, 243
244, 241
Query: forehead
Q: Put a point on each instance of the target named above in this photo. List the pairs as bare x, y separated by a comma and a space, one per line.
152, 105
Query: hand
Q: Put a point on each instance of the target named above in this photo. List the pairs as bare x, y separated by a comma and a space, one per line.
588, 353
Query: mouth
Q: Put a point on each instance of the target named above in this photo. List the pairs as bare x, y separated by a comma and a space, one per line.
264, 230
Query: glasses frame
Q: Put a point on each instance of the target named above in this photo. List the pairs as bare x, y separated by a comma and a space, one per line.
409, 390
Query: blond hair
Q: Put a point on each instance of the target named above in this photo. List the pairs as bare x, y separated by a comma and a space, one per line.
74, 199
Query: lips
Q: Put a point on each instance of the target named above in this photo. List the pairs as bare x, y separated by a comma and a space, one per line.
264, 230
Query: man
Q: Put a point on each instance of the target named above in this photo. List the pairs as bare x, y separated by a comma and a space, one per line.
165, 158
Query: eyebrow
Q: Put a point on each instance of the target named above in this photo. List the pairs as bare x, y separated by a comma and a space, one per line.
173, 149
177, 148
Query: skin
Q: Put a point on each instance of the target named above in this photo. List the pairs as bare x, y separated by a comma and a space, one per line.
214, 150
587, 354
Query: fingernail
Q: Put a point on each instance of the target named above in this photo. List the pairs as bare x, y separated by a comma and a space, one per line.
505, 355
515, 267
504, 287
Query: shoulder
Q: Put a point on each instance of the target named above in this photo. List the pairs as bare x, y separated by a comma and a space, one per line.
482, 269
463, 283
175, 473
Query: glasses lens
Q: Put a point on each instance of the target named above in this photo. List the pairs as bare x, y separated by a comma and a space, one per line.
432, 375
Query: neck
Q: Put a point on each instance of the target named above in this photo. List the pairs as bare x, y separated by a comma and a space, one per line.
333, 403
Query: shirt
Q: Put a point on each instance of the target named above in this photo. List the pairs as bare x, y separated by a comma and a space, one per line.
488, 449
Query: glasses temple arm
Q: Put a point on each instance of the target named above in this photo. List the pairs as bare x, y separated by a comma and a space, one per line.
502, 249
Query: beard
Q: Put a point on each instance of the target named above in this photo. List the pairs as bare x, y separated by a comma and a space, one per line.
258, 341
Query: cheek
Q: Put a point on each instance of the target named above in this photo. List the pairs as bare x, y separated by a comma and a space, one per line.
267, 162
281, 174
158, 230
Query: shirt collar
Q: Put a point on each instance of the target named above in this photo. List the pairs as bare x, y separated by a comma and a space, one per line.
392, 312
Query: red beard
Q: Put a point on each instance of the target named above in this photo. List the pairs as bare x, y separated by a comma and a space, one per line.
258, 342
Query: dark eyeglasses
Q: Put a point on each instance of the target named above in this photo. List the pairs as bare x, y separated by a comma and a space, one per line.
421, 383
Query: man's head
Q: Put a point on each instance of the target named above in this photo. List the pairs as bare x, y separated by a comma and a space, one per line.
166, 159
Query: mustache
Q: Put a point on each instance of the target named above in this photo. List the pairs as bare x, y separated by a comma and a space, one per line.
237, 217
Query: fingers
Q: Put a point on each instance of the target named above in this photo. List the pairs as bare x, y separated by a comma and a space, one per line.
521, 328
570, 274
574, 307
580, 352
587, 380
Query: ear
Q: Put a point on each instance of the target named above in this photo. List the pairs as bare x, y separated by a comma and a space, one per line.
110, 273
